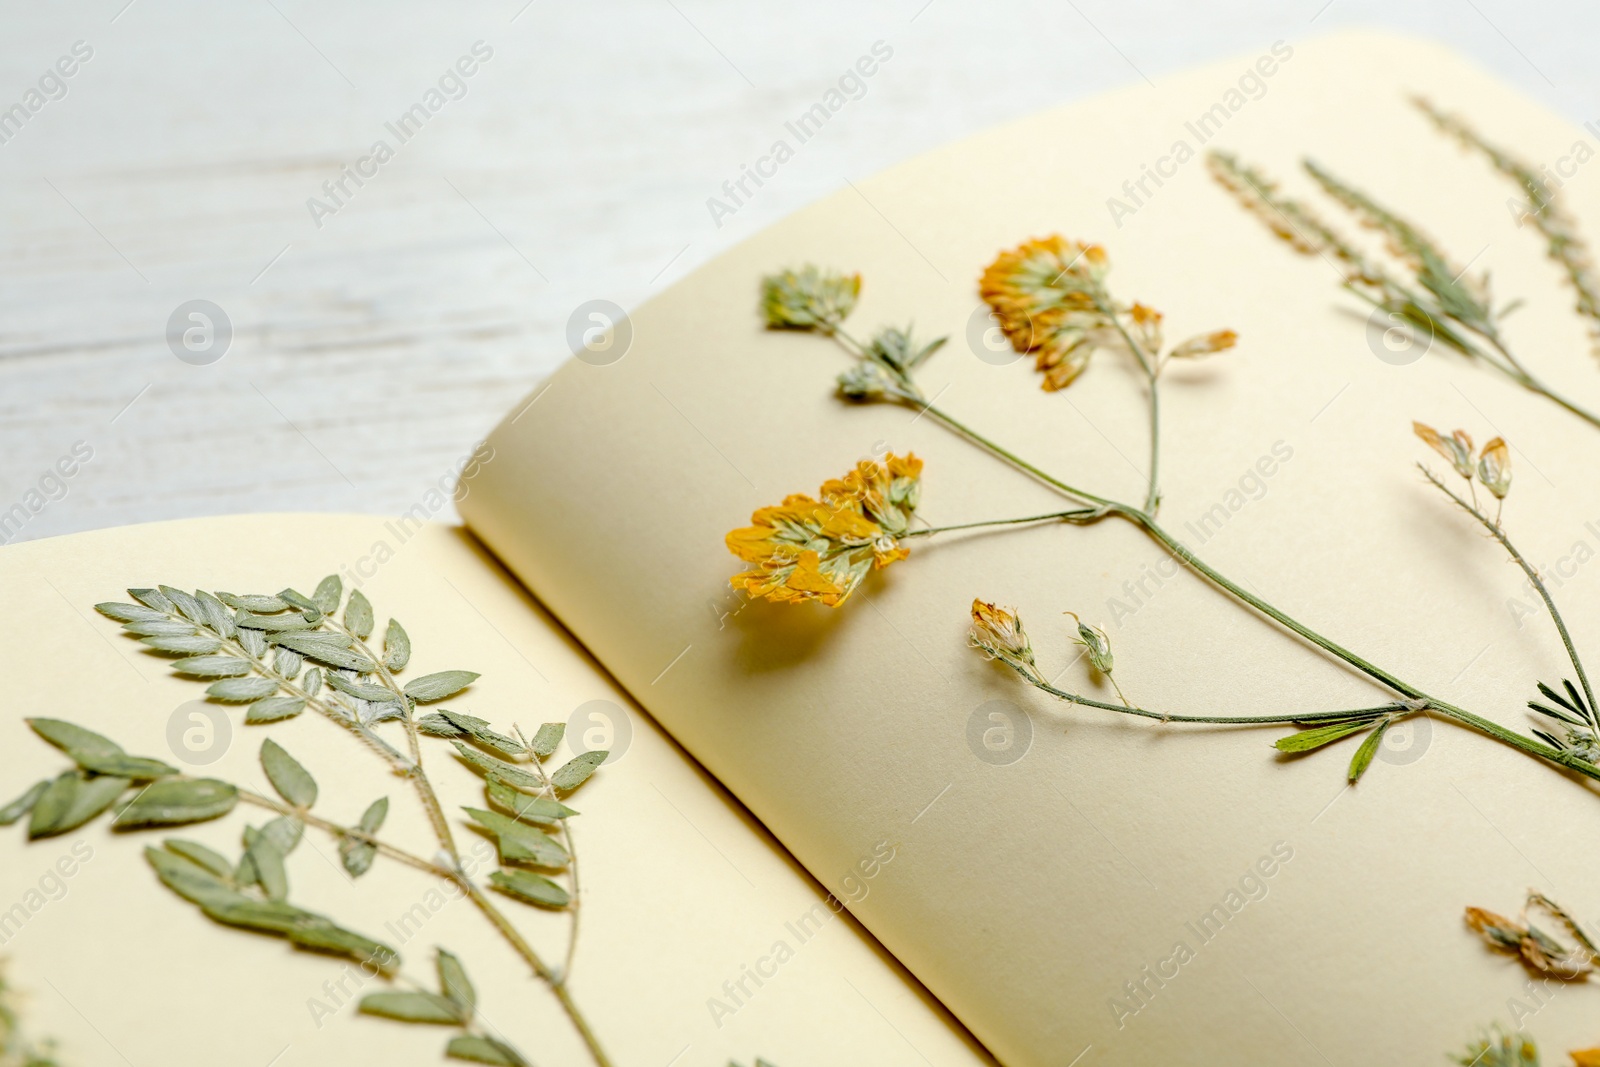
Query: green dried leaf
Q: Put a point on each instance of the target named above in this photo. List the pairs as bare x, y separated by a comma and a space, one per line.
291, 780
71, 800
332, 649
454, 724
512, 776
396, 646
254, 642
303, 928
217, 615
190, 878
548, 738
186, 604
358, 615
254, 602
529, 887
151, 598
356, 855
160, 626
329, 590
174, 801
1364, 754
432, 687
361, 690
266, 863
577, 770
1306, 740
285, 832
212, 666
242, 690
23, 804
372, 818
412, 1008
95, 753
195, 852
128, 612
274, 709
273, 623
519, 842
455, 985
298, 600
312, 682
477, 1049
521, 806
198, 644
286, 662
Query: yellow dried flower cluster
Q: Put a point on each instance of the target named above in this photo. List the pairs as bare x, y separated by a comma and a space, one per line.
821, 549
1050, 297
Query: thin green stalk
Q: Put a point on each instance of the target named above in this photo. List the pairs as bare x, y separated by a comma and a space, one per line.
340, 832
1074, 513
1224, 720
1498, 533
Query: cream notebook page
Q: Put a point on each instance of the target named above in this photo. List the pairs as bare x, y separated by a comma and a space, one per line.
1027, 895
682, 891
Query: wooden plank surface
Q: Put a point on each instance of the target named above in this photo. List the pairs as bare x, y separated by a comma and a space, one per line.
374, 345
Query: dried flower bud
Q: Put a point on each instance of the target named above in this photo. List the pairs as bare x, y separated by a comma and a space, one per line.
1094, 639
1205, 345
1494, 468
1457, 448
808, 299
998, 633
1146, 327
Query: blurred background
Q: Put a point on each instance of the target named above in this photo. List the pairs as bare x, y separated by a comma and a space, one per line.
219, 294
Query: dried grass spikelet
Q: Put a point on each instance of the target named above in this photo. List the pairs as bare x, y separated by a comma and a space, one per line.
821, 549
1049, 296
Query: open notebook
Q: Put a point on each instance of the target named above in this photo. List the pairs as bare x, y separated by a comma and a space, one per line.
1029, 905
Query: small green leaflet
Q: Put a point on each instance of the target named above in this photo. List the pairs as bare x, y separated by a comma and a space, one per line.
361, 690
274, 709
577, 770
174, 801
212, 666
98, 754
1368, 749
396, 646
358, 615
128, 612
242, 690
186, 604
455, 985
412, 1008
71, 800
266, 864
454, 724
475, 1049
217, 615
521, 806
291, 780
549, 736
529, 887
372, 818
1306, 740
519, 842
318, 646
160, 627
432, 687
152, 598
198, 644
507, 773
206, 857
356, 854
23, 804
254, 602
329, 590
273, 623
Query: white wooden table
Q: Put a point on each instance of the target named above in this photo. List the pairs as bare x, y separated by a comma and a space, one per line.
369, 353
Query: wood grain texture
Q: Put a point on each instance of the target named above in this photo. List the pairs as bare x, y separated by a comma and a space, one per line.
372, 351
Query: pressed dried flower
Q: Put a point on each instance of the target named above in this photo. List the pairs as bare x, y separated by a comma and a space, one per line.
1096, 643
1204, 345
998, 633
1048, 295
808, 299
1585, 1057
1500, 1049
821, 549
1457, 448
1494, 468
1538, 950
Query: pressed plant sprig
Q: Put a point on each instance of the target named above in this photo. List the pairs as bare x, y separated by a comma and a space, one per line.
17, 1049
1421, 285
286, 654
1538, 950
1042, 293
